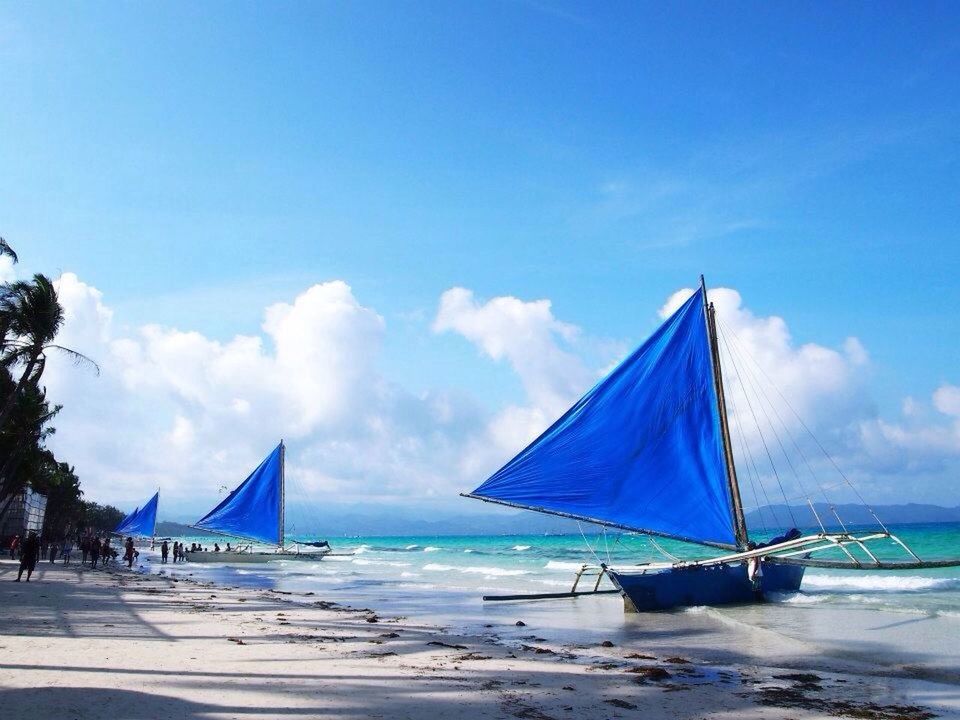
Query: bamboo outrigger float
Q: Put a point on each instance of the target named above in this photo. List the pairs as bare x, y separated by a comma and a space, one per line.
648, 450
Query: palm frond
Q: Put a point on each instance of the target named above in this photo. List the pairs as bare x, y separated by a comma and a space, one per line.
77, 357
5, 249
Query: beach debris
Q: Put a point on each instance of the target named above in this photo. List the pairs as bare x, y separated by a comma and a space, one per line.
372, 619
677, 660
389, 635
238, 641
795, 698
649, 673
640, 656
437, 643
471, 656
520, 623
538, 650
617, 702
568, 687
607, 643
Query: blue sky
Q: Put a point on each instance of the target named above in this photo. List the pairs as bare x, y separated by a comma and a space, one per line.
198, 162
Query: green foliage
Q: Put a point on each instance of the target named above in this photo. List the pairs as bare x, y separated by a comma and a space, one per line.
31, 316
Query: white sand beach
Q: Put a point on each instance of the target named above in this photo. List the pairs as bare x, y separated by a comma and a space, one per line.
118, 645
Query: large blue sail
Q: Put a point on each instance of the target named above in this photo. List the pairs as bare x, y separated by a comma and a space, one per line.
641, 451
142, 521
252, 510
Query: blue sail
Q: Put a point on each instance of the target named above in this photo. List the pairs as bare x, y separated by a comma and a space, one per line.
121, 526
641, 451
253, 510
141, 521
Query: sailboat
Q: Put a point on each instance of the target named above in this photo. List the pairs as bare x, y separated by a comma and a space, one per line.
142, 521
647, 450
254, 511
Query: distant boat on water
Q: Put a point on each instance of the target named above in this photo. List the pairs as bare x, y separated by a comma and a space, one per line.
647, 450
142, 522
254, 511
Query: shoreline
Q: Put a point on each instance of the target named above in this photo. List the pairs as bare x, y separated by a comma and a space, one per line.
116, 644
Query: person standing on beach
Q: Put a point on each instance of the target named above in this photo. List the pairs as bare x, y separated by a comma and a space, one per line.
128, 552
53, 552
164, 551
84, 549
94, 552
14, 546
67, 551
29, 555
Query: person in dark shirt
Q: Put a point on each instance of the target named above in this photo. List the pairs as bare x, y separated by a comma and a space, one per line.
128, 552
164, 551
29, 555
94, 551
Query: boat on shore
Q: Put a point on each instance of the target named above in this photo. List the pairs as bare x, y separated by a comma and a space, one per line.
254, 512
647, 451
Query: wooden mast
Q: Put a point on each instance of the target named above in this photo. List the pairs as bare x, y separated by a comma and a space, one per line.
739, 522
283, 484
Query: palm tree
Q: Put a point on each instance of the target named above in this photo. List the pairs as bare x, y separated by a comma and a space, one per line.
31, 318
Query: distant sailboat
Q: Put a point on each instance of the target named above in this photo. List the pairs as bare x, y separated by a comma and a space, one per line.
647, 450
142, 522
254, 511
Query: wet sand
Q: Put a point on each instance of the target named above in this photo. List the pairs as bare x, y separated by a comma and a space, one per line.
81, 643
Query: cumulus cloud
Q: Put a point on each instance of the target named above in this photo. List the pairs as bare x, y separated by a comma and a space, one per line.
176, 409
180, 411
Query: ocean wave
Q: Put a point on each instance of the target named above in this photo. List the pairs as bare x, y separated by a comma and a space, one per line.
468, 550
521, 548
411, 547
476, 570
362, 561
560, 565
431, 548
876, 583
362, 549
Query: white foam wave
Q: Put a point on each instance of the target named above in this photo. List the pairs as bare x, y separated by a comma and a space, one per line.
468, 550
361, 561
521, 548
362, 549
560, 565
876, 583
475, 570
430, 548
411, 547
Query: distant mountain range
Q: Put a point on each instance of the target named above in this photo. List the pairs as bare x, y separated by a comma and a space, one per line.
503, 522
851, 514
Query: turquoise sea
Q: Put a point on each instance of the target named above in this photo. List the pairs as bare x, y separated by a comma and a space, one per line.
903, 618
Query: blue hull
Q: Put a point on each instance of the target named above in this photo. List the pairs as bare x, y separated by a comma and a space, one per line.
711, 585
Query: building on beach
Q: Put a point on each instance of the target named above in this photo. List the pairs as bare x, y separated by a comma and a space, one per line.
24, 513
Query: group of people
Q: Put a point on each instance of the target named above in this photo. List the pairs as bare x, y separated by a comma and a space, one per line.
92, 548
179, 554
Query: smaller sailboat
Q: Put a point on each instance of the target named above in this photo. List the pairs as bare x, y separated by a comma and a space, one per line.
254, 512
142, 522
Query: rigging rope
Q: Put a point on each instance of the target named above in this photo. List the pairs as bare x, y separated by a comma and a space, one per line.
764, 441
815, 439
761, 395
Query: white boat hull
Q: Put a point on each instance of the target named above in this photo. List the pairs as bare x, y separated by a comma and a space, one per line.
233, 558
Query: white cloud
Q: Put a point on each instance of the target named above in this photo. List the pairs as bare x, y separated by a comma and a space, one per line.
187, 413
175, 409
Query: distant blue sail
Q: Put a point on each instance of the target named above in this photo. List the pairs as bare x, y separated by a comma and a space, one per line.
120, 528
252, 510
641, 451
142, 521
